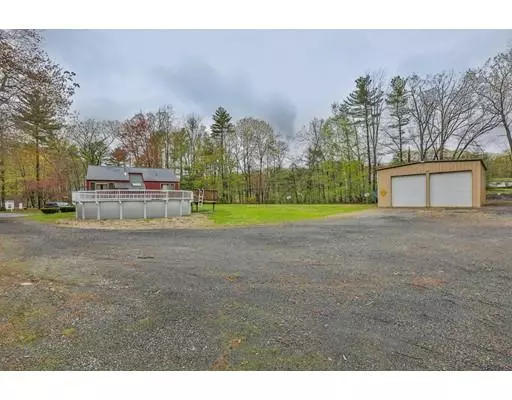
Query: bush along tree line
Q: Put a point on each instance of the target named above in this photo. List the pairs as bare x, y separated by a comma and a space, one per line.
45, 147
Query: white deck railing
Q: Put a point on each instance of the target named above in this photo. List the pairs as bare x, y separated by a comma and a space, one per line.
126, 195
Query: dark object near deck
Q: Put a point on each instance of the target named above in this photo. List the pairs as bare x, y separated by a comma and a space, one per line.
202, 196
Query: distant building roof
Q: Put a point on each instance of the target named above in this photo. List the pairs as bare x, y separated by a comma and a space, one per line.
101, 173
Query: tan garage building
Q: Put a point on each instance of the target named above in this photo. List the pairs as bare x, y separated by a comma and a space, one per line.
432, 184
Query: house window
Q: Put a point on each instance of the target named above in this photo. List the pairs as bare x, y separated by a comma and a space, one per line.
93, 186
136, 181
111, 186
165, 186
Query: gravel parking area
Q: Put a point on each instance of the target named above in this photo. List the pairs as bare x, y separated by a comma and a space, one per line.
383, 290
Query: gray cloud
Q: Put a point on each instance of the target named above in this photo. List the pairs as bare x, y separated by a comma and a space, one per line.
200, 83
107, 108
287, 78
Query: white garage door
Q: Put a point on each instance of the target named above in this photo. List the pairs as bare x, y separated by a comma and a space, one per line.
408, 191
452, 189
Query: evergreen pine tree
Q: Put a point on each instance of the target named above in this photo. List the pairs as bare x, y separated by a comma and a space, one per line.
220, 129
397, 101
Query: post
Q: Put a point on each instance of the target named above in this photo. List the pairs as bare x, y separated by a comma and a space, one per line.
145, 208
181, 204
98, 211
83, 210
120, 209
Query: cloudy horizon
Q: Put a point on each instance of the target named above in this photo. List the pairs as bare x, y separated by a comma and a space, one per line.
285, 77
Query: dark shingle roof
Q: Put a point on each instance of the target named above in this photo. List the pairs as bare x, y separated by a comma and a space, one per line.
101, 173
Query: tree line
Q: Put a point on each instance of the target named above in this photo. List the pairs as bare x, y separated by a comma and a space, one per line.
45, 147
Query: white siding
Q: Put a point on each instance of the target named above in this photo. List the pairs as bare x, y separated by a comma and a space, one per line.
451, 189
409, 191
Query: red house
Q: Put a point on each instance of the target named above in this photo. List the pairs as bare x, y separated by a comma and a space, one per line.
101, 178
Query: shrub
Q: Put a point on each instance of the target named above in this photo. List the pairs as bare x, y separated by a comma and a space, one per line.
49, 210
68, 209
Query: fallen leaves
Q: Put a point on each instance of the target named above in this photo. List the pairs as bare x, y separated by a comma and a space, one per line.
220, 364
232, 278
234, 343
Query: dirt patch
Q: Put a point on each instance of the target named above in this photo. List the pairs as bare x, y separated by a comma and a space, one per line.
425, 282
220, 364
192, 221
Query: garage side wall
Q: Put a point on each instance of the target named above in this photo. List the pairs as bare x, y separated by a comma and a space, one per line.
483, 185
478, 175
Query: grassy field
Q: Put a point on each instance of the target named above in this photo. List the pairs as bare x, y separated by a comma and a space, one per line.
249, 214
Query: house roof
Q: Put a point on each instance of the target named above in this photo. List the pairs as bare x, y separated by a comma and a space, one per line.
432, 161
102, 173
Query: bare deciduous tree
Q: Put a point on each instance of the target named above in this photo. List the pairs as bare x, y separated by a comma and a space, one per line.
422, 109
495, 90
93, 138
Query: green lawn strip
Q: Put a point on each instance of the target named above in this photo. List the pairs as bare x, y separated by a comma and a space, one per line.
248, 214
499, 190
40, 217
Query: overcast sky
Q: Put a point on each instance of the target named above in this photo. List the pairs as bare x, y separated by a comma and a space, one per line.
285, 77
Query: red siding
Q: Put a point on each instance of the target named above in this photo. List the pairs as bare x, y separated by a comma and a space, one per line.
158, 185
149, 185
88, 183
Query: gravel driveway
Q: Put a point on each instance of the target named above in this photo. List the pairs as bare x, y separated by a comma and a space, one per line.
384, 290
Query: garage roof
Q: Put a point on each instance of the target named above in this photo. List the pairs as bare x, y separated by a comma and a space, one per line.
431, 162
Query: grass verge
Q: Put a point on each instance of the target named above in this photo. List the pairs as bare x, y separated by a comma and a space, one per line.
40, 217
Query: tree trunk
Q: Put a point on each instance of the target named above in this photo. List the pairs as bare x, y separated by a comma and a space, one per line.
261, 181
507, 131
400, 156
38, 172
3, 150
368, 151
422, 144
374, 171
2, 182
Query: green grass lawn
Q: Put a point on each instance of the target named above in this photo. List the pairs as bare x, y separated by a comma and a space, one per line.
248, 214
40, 217
499, 190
